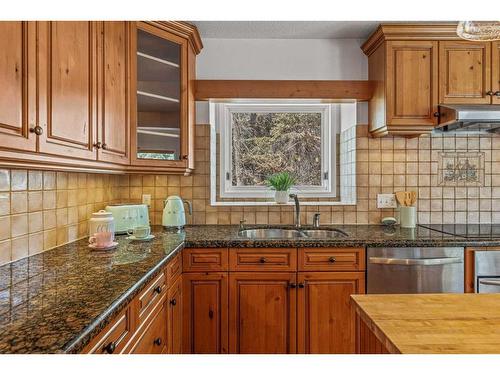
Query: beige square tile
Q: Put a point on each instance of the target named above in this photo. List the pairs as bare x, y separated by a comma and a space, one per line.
62, 235
4, 180
35, 201
49, 180
72, 215
148, 180
35, 180
35, 221
49, 219
19, 202
19, 225
49, 239
49, 200
72, 180
82, 179
35, 243
161, 180
62, 180
19, 247
4, 204
19, 180
5, 251
72, 198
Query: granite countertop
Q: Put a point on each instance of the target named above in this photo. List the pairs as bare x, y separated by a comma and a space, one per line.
433, 323
58, 300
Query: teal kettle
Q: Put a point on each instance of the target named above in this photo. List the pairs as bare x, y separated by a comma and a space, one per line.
174, 215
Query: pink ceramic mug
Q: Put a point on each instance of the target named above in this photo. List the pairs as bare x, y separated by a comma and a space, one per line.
101, 239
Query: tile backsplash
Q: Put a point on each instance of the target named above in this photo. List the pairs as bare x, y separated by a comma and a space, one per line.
42, 209
383, 165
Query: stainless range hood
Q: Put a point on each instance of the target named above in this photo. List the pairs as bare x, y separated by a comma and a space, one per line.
469, 118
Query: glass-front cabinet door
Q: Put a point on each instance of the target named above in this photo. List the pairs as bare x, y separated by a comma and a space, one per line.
159, 114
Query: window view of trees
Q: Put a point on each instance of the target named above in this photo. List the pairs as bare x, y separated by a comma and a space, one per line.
267, 143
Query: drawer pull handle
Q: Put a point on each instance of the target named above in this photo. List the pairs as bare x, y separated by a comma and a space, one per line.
173, 302
157, 341
158, 289
302, 285
210, 314
262, 260
292, 285
110, 348
332, 260
490, 93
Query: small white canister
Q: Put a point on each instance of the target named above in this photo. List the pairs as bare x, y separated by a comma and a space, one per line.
102, 221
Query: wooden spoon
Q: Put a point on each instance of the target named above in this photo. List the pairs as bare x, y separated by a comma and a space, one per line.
413, 197
400, 197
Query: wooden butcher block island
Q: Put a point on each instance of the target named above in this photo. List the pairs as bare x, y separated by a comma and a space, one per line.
428, 323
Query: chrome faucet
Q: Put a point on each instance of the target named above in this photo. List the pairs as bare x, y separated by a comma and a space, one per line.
316, 220
297, 210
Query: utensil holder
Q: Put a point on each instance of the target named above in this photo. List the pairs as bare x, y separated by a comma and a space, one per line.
408, 216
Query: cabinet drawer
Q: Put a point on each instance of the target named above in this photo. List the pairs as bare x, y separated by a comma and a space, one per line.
196, 260
332, 259
114, 338
174, 269
264, 259
152, 337
150, 296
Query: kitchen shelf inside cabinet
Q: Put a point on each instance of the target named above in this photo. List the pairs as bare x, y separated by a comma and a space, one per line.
160, 48
158, 131
147, 101
154, 70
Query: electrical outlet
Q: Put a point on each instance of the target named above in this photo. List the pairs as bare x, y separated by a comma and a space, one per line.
146, 199
386, 201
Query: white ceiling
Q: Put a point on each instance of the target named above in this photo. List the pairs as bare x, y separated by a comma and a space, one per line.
285, 29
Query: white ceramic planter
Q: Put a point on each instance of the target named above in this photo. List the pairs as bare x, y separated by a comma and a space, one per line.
281, 197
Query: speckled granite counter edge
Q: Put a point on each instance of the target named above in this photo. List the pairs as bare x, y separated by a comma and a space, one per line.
83, 338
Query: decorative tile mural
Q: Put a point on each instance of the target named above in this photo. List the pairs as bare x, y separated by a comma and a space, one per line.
461, 169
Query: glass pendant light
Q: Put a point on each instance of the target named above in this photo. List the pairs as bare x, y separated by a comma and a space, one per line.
479, 30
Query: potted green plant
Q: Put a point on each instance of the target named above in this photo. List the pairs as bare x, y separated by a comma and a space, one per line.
281, 183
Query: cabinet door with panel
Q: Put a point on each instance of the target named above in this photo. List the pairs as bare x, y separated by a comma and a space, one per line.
67, 88
175, 317
113, 104
262, 312
412, 84
464, 72
495, 72
18, 79
326, 319
205, 308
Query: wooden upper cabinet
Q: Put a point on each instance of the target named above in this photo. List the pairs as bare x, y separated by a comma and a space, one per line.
326, 319
67, 88
465, 72
113, 106
262, 313
495, 71
17, 77
411, 87
162, 95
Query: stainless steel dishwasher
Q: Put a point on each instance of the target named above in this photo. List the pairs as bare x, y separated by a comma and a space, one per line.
487, 271
415, 270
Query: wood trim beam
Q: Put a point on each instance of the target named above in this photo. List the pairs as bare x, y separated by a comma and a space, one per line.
290, 89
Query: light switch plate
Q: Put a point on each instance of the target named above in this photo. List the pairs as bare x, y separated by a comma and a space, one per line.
146, 199
386, 201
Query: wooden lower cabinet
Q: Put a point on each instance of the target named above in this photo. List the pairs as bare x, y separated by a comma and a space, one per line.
262, 313
175, 317
205, 298
326, 319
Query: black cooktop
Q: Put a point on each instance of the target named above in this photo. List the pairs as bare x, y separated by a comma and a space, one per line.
482, 231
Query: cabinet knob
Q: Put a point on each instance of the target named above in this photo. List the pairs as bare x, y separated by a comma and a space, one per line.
332, 259
110, 348
104, 146
157, 341
98, 145
292, 285
490, 93
158, 289
173, 302
497, 93
38, 130
436, 114
262, 260
302, 285
184, 157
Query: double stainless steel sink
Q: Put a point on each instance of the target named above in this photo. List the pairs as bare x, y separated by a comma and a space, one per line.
278, 233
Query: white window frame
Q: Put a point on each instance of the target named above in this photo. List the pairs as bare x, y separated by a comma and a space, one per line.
223, 112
